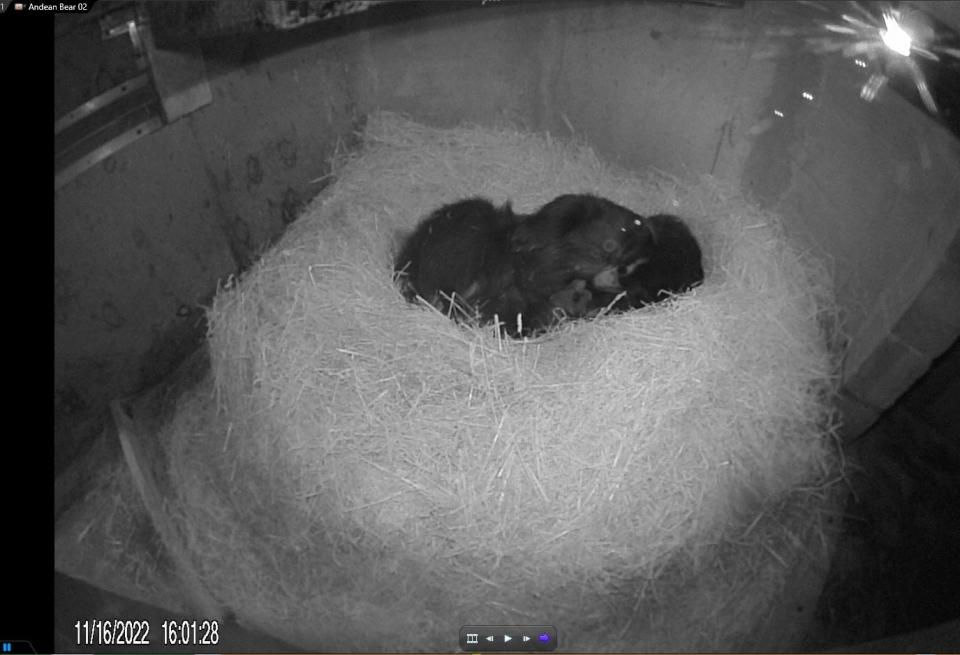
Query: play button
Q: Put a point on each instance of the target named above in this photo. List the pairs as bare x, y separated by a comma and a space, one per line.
504, 639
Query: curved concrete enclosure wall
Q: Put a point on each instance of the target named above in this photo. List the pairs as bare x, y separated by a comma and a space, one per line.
142, 238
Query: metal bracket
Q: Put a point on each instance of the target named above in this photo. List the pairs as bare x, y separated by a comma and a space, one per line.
172, 85
179, 76
118, 23
101, 101
122, 140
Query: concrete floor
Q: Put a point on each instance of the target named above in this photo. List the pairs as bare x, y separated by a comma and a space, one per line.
895, 569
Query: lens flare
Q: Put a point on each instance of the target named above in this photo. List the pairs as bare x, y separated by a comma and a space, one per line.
894, 36
885, 40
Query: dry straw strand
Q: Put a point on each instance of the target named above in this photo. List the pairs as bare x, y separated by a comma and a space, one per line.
395, 466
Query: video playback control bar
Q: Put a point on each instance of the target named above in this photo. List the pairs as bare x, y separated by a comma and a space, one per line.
508, 638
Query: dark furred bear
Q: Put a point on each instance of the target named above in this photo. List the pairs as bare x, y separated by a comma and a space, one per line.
459, 260
575, 256
673, 266
579, 237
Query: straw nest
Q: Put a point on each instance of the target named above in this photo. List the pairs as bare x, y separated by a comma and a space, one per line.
361, 473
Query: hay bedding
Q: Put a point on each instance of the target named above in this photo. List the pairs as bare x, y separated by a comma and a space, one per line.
361, 473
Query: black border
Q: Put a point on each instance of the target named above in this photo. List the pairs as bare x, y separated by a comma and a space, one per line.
26, 53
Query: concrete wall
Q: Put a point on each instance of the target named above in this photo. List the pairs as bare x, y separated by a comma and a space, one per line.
142, 238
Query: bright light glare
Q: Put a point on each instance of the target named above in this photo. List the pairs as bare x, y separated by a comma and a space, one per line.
894, 37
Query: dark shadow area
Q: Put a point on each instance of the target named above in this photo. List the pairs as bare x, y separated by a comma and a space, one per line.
896, 569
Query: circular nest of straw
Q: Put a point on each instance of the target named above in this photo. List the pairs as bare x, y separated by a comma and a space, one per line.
362, 473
